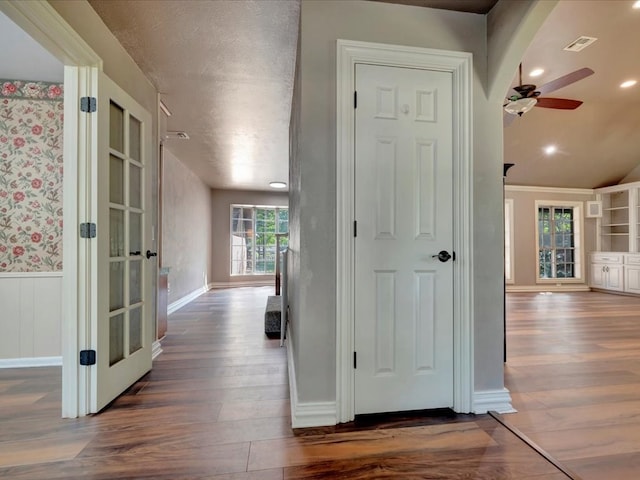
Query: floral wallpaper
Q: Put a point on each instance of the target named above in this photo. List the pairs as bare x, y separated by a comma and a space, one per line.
31, 115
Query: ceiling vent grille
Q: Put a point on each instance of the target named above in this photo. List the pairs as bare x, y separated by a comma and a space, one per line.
178, 135
580, 44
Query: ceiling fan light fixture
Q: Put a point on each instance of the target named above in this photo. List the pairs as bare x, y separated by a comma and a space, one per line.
520, 106
278, 185
537, 71
628, 83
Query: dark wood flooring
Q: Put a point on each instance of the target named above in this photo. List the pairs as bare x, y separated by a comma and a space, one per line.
216, 407
573, 369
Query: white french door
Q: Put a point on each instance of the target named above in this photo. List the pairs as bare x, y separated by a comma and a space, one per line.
122, 263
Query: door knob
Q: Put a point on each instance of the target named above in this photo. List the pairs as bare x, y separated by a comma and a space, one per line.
442, 255
151, 254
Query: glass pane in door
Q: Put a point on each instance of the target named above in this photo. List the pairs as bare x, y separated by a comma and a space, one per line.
135, 234
116, 127
134, 138
135, 186
135, 281
135, 329
116, 180
116, 338
116, 286
116, 233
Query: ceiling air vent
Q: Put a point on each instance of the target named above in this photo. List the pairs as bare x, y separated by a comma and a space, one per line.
179, 135
580, 44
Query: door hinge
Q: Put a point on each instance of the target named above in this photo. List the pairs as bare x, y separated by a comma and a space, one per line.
355, 99
87, 230
355, 360
87, 357
355, 228
88, 104
453, 256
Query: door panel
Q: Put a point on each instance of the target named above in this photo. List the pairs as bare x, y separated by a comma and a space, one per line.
121, 322
404, 205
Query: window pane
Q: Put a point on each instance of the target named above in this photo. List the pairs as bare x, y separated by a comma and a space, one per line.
116, 127
556, 242
116, 339
116, 180
135, 329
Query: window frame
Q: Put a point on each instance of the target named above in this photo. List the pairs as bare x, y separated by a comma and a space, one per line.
509, 242
254, 208
578, 240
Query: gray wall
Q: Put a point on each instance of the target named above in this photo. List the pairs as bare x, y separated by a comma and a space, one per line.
525, 242
221, 200
313, 165
186, 228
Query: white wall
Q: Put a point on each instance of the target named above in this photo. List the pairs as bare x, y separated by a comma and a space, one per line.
221, 201
186, 229
30, 318
313, 186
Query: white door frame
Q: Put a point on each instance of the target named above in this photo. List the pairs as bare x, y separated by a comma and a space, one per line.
41, 21
459, 64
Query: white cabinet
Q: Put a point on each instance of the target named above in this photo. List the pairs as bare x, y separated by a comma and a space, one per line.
607, 271
632, 273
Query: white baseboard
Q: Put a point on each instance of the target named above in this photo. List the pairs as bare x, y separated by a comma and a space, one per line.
30, 362
306, 414
568, 287
493, 400
178, 304
156, 349
248, 283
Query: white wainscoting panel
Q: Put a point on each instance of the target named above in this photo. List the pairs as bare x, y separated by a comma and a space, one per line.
30, 315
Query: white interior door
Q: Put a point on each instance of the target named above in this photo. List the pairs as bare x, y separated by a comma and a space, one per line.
122, 322
403, 207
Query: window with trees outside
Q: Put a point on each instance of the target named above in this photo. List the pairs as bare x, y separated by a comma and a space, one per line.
559, 241
254, 238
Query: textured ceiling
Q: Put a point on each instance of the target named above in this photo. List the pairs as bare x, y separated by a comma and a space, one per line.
225, 71
471, 6
599, 143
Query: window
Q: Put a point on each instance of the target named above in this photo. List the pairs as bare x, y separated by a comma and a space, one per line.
559, 241
508, 241
254, 237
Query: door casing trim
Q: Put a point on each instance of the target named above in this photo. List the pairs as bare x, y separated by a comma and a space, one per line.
459, 64
45, 25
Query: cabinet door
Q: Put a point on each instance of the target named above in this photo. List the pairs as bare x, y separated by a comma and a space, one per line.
596, 278
614, 277
632, 279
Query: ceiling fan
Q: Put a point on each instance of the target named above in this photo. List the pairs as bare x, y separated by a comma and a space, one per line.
525, 96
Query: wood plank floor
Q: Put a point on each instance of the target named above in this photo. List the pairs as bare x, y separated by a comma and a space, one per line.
573, 369
216, 407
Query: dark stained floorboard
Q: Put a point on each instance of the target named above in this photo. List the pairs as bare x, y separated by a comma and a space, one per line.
216, 407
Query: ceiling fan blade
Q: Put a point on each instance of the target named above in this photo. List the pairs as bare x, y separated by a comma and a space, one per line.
558, 103
568, 79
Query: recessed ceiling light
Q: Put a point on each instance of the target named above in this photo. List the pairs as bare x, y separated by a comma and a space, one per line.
278, 185
628, 83
636, 5
550, 149
538, 71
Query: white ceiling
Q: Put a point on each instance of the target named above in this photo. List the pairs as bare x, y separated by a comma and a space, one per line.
598, 143
22, 58
225, 70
